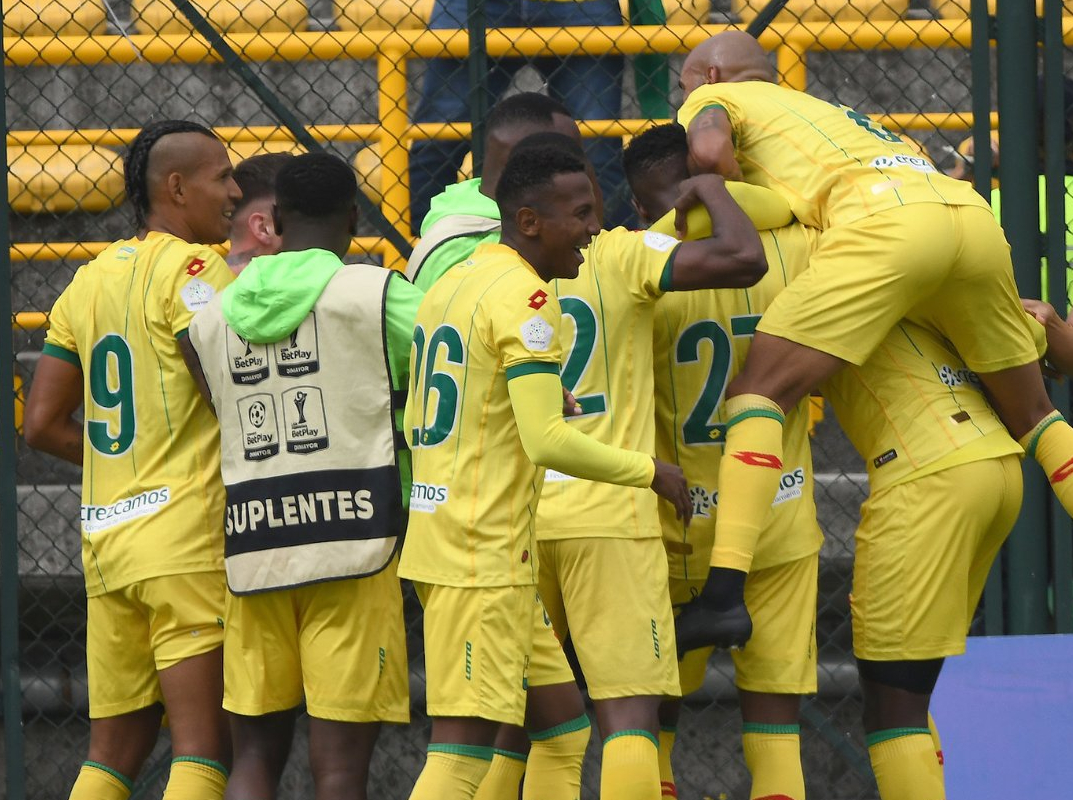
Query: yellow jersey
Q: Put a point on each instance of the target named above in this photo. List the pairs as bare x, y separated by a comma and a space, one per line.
832, 163
152, 498
475, 491
607, 365
914, 408
700, 343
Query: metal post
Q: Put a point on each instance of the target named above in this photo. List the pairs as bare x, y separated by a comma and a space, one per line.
14, 757
477, 64
651, 71
1057, 278
1026, 550
981, 97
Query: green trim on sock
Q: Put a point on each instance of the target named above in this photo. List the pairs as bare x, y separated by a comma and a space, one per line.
123, 779
644, 734
878, 737
510, 754
205, 762
773, 730
1037, 432
467, 750
753, 413
669, 729
576, 724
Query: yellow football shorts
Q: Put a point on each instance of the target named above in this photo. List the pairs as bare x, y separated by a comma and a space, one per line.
339, 644
137, 631
780, 657
924, 549
547, 663
947, 267
478, 643
611, 596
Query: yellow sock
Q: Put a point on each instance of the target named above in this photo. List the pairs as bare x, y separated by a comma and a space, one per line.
452, 772
98, 782
749, 474
630, 769
504, 777
1051, 444
666, 771
904, 762
936, 742
773, 757
194, 778
554, 771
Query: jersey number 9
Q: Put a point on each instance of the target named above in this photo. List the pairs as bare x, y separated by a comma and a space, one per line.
112, 349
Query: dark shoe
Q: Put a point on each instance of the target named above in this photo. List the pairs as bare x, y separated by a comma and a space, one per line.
698, 625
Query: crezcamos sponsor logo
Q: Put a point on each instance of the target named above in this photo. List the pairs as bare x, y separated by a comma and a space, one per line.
426, 496
100, 518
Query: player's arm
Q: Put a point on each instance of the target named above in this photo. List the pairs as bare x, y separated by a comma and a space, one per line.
49, 424
536, 396
1059, 334
711, 144
731, 257
193, 363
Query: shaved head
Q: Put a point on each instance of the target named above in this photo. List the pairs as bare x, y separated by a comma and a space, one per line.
183, 153
728, 57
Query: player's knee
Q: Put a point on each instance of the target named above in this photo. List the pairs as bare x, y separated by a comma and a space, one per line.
918, 677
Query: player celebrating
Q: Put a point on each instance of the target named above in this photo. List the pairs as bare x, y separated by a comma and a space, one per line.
152, 501
484, 409
897, 239
315, 607
700, 341
252, 230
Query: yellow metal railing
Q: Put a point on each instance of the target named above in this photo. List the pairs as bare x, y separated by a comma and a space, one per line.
392, 51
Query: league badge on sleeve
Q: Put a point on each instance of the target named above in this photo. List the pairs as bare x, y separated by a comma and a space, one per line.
536, 334
196, 294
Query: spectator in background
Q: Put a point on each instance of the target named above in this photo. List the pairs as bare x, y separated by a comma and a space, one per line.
965, 160
252, 231
590, 87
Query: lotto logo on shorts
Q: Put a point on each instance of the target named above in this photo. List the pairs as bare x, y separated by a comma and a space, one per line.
758, 459
538, 299
1062, 472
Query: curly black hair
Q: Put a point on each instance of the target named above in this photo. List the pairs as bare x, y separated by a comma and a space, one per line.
529, 171
316, 185
652, 148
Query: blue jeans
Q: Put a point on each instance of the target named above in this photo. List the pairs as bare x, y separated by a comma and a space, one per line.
591, 88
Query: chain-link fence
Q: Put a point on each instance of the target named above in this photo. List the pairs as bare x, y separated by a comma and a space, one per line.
392, 85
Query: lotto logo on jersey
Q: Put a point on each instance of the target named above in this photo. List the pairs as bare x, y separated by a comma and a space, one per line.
424, 497
752, 459
538, 299
1062, 472
194, 267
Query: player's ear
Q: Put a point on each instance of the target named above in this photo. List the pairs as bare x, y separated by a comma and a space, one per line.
712, 74
176, 188
527, 221
640, 209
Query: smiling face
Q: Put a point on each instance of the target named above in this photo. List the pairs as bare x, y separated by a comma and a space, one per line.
210, 192
567, 223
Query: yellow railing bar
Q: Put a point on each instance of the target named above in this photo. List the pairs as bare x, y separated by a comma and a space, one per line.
29, 320
332, 45
83, 251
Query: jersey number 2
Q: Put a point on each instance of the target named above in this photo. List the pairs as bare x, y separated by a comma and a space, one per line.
446, 413
586, 332
698, 427
112, 349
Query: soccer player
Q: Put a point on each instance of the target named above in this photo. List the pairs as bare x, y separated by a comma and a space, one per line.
897, 239
303, 349
252, 230
485, 408
465, 215
152, 500
700, 341
597, 539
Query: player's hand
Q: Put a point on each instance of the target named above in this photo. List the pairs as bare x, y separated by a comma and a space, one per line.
670, 483
698, 190
1043, 312
571, 407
